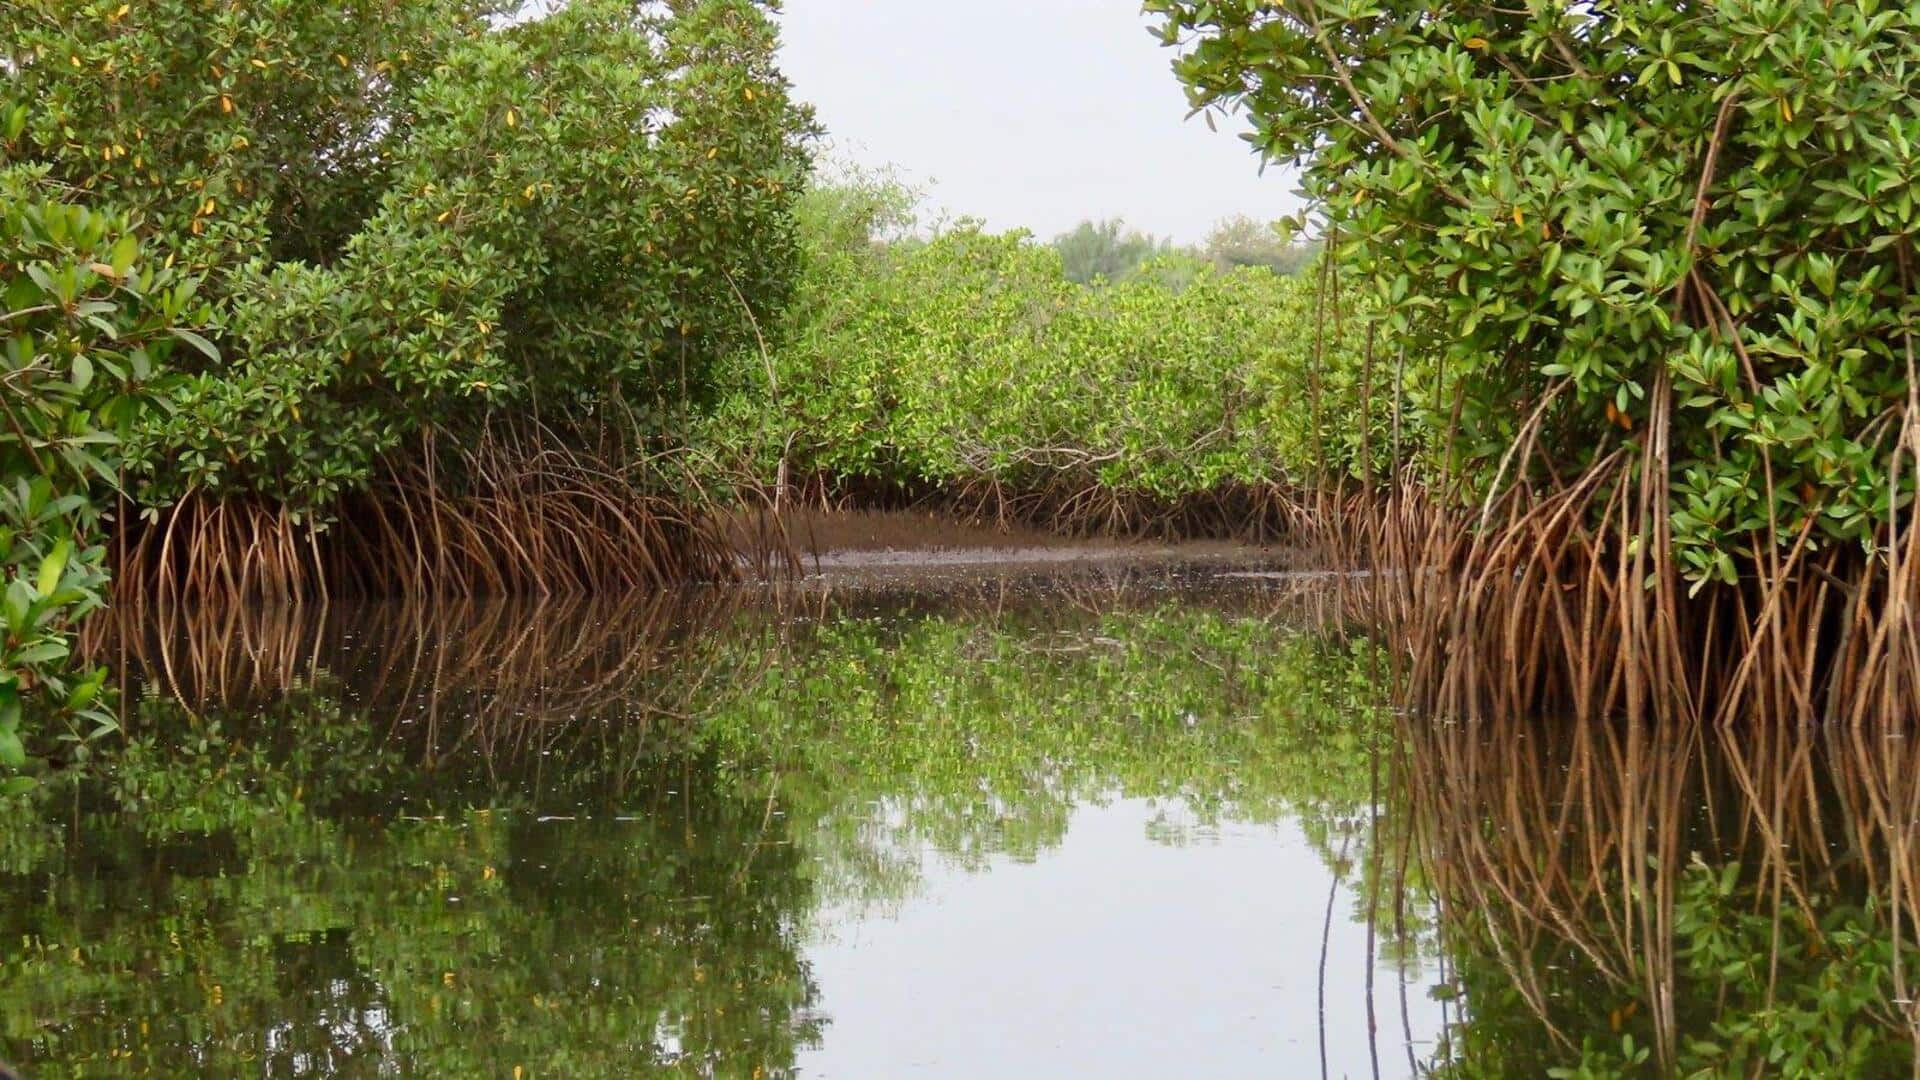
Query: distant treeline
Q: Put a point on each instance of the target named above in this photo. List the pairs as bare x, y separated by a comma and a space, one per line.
1112, 251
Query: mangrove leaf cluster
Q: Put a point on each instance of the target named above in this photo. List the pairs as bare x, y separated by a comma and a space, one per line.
420, 220
1682, 230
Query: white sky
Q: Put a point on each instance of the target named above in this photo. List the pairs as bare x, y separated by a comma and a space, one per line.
1028, 113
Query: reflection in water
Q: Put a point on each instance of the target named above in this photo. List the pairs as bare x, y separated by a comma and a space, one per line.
1620, 898
1113, 825
596, 840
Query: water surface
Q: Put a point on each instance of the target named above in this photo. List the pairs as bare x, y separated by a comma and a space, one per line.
1110, 823
1103, 825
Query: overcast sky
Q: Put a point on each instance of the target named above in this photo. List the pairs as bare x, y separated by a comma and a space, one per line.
1028, 113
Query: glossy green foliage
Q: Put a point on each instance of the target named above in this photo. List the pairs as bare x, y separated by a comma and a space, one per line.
87, 321
972, 358
239, 131
1697, 211
425, 218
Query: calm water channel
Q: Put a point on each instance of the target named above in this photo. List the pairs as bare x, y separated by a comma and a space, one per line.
1107, 823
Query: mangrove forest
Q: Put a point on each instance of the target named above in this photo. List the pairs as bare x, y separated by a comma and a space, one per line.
524, 554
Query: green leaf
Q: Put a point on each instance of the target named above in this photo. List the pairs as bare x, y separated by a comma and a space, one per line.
13, 752
122, 256
53, 566
86, 690
205, 347
18, 605
41, 652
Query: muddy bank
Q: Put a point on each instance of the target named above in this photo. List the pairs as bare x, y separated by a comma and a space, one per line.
904, 545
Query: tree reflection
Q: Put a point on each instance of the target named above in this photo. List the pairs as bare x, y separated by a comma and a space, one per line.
592, 839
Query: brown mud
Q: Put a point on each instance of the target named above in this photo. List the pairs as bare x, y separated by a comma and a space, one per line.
904, 546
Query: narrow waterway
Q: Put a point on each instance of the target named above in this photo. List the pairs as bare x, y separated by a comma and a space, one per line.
1114, 820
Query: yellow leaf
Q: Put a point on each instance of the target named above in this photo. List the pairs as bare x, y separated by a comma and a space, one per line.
749, 93
259, 63
1518, 218
713, 153
341, 59
104, 270
226, 104
444, 215
122, 10
1475, 43
1786, 110
513, 118
528, 193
